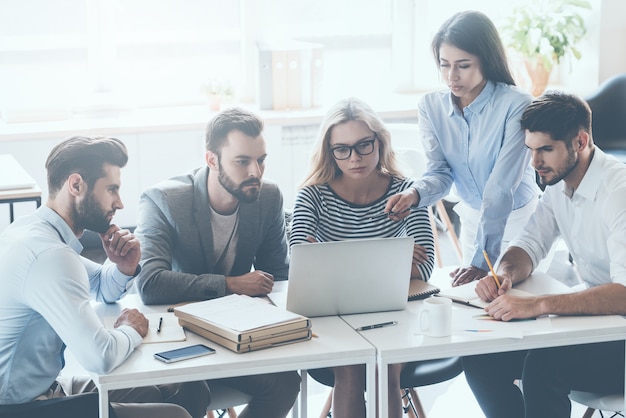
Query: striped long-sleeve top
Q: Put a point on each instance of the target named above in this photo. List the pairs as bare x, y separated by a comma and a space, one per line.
320, 213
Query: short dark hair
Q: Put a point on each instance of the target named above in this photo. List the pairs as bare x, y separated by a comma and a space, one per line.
475, 33
85, 156
559, 114
228, 120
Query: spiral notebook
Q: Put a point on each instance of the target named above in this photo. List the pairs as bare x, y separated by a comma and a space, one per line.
419, 289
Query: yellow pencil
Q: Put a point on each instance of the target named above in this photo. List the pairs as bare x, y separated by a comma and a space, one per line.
491, 268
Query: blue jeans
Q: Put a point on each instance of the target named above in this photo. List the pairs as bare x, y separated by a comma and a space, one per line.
547, 377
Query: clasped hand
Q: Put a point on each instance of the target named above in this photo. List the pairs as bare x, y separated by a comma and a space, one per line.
122, 248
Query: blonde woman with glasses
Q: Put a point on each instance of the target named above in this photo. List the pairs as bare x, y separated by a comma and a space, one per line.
353, 174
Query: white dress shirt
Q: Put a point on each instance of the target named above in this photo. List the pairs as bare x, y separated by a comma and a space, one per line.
591, 220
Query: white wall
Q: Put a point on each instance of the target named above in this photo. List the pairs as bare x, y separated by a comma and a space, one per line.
612, 42
154, 157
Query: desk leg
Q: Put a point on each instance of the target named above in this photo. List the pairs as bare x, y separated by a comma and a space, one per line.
301, 410
11, 213
383, 393
104, 403
370, 373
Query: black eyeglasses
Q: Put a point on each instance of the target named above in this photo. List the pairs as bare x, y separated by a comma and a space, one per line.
343, 152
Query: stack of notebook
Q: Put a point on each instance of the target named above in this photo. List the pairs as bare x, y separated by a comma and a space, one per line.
242, 323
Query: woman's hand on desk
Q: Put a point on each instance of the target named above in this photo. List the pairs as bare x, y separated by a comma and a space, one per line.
464, 275
420, 256
134, 319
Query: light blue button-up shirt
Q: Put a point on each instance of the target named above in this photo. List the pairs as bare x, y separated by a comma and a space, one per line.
45, 306
481, 151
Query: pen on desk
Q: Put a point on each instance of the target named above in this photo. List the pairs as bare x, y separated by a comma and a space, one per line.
384, 324
269, 299
495, 277
478, 330
160, 324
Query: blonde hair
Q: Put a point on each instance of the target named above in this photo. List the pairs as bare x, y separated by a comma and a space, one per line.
324, 168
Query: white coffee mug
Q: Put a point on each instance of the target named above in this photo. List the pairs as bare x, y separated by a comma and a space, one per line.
435, 318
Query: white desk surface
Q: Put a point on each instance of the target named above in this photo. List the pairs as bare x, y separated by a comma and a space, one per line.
404, 342
336, 344
13, 177
34, 191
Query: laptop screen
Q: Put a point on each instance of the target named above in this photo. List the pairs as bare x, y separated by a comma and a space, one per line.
347, 277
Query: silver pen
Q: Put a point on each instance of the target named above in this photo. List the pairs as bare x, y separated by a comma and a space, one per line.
386, 214
384, 324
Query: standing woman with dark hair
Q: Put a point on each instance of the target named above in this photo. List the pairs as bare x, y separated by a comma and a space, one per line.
472, 138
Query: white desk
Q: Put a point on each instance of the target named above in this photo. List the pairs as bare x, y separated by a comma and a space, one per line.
16, 185
404, 342
337, 344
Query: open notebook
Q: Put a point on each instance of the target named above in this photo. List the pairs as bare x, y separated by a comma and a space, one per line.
170, 329
466, 294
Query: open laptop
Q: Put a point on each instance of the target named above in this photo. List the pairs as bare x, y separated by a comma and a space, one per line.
348, 277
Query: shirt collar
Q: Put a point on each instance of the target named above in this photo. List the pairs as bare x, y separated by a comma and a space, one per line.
479, 102
592, 180
63, 229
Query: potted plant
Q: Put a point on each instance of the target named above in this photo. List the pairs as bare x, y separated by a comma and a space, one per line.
544, 32
220, 92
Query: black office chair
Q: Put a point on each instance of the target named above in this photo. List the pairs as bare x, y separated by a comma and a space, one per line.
608, 106
414, 374
77, 406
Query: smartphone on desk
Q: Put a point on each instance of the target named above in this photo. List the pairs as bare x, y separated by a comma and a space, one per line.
184, 353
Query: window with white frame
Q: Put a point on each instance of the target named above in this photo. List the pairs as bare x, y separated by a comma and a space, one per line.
78, 56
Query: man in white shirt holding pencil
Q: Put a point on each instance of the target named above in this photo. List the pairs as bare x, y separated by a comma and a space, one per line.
588, 210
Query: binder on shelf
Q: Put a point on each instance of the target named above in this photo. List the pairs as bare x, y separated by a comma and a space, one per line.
278, 79
289, 337
241, 319
290, 75
419, 289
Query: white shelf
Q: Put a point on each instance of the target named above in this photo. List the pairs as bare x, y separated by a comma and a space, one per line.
182, 118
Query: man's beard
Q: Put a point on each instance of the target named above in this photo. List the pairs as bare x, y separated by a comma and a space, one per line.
89, 215
572, 162
237, 190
